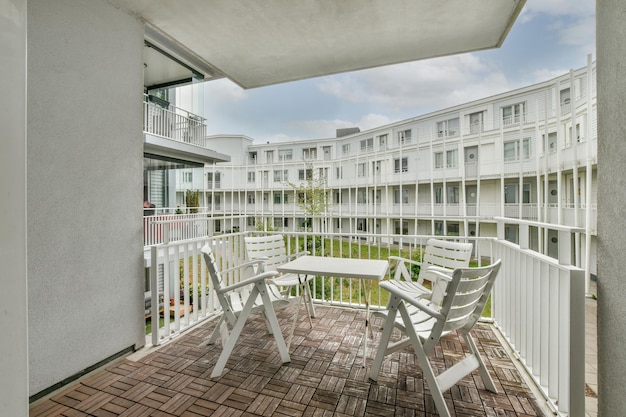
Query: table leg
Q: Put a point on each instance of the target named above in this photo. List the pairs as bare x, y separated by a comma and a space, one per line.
295, 318
367, 285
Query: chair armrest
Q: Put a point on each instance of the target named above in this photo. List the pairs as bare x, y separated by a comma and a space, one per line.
440, 273
261, 277
247, 264
405, 260
417, 302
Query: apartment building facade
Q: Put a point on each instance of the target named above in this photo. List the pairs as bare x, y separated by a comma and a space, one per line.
526, 154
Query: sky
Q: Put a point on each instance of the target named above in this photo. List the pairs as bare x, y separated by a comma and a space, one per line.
549, 38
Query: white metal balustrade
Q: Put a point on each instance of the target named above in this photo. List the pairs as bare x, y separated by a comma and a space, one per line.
162, 119
537, 302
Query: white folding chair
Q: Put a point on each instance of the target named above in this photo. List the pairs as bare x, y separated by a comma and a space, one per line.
425, 322
439, 255
238, 301
271, 249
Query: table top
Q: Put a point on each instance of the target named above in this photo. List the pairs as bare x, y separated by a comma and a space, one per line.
337, 267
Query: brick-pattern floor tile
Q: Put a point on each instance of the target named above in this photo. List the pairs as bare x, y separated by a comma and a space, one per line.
325, 377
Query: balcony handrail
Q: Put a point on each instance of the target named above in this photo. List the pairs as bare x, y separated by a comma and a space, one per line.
537, 303
173, 123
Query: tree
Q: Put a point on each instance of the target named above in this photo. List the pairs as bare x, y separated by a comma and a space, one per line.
192, 200
311, 196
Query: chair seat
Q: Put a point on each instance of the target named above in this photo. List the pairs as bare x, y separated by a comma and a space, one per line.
289, 280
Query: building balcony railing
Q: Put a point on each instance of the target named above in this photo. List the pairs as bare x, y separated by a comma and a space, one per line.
537, 303
162, 119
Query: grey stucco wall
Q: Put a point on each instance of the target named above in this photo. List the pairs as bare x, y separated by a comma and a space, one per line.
611, 81
84, 155
13, 288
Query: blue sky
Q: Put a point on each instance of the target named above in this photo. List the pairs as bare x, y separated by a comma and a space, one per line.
548, 39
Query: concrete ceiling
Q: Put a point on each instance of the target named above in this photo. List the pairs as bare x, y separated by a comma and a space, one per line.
258, 43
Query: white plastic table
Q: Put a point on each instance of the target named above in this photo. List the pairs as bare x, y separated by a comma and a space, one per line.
367, 270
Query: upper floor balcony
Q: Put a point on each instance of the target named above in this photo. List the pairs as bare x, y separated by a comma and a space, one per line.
175, 133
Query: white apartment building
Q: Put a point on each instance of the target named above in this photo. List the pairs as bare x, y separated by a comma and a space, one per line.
526, 154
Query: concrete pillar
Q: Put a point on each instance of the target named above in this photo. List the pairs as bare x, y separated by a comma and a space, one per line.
13, 277
611, 84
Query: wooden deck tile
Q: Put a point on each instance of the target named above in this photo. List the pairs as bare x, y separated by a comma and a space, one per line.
325, 377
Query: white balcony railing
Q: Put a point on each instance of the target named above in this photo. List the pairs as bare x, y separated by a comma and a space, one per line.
162, 119
537, 303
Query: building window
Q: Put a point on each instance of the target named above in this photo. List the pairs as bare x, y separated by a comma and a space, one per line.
361, 225
438, 195
326, 152
253, 157
448, 127
345, 149
285, 154
269, 156
309, 153
476, 122
305, 174
361, 196
511, 193
401, 196
451, 158
513, 151
452, 229
251, 221
338, 173
376, 167
251, 198
513, 114
214, 179
401, 227
281, 175
277, 198
550, 144
361, 169
251, 176
565, 96
453, 194
577, 135
382, 142
438, 228
404, 137
367, 145
401, 165
187, 176
438, 157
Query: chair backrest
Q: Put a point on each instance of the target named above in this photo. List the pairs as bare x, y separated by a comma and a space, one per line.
230, 303
445, 254
271, 248
466, 296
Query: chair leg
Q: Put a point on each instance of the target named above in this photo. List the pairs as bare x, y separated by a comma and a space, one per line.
216, 332
482, 369
424, 363
392, 310
270, 314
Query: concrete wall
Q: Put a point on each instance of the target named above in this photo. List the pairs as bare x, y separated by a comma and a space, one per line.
611, 51
13, 311
85, 275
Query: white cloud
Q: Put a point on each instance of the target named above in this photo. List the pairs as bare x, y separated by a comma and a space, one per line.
429, 84
558, 8
572, 21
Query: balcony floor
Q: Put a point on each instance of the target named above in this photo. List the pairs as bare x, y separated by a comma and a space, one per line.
325, 377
